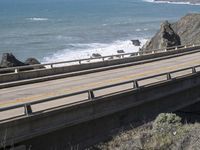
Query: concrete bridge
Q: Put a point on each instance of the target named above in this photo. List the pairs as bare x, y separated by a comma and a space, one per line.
63, 104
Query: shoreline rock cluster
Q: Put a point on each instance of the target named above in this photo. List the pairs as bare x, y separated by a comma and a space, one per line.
135, 42
9, 60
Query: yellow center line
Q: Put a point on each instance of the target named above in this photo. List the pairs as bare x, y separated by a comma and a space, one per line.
96, 84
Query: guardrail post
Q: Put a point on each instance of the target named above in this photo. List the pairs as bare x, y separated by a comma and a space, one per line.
169, 77
135, 84
27, 109
103, 58
176, 48
194, 70
79, 62
165, 50
193, 45
51, 65
16, 70
153, 52
91, 95
185, 46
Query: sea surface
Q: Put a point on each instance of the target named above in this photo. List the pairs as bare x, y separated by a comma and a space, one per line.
58, 30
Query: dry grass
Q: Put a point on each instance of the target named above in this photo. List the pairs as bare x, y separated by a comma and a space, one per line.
165, 133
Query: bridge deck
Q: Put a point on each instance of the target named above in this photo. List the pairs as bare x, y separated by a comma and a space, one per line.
37, 91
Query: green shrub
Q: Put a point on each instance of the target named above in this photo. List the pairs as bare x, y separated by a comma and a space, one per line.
166, 122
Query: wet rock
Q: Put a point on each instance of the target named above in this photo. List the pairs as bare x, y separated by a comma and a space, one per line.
96, 55
120, 51
33, 61
136, 42
9, 60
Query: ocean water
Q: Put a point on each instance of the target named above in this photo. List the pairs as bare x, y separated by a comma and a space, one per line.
57, 30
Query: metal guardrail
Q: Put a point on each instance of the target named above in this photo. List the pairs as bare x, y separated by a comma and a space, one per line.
91, 92
104, 58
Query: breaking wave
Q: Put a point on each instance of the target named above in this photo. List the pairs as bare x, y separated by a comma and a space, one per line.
37, 19
79, 51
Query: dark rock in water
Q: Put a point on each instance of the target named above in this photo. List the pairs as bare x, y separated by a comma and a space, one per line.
96, 55
33, 61
136, 42
9, 60
120, 51
166, 37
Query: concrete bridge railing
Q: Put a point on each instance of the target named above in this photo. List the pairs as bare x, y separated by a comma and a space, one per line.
77, 67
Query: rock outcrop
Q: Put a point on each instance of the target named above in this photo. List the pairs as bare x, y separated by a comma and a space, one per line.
166, 37
120, 51
9, 60
136, 42
188, 28
183, 32
96, 55
32, 61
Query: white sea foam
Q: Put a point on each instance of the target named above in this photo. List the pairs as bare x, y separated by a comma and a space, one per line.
138, 30
168, 2
86, 50
37, 19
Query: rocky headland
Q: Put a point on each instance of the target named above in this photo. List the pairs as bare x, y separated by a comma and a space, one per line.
183, 32
178, 1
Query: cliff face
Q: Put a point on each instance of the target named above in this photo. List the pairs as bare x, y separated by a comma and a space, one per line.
184, 31
188, 28
165, 37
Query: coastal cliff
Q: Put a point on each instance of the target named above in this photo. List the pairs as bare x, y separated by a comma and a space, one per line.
188, 28
179, 1
183, 32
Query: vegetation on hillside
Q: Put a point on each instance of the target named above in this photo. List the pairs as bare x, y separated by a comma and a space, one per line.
166, 132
